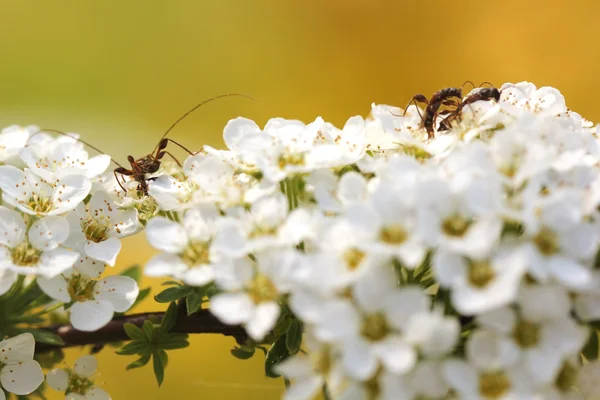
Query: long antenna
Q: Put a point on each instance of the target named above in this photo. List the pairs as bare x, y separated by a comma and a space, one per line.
79, 140
197, 107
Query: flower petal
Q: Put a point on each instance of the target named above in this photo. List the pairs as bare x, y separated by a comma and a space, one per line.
13, 182
12, 227
69, 192
105, 251
121, 291
17, 349
49, 232
7, 278
85, 366
89, 316
263, 320
55, 287
232, 308
58, 379
166, 235
22, 378
165, 265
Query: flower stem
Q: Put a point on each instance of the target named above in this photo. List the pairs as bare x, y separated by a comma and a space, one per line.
202, 322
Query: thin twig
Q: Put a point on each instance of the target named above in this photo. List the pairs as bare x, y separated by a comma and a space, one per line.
202, 322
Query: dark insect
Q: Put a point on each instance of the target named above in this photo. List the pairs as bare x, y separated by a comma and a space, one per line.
150, 163
443, 97
485, 94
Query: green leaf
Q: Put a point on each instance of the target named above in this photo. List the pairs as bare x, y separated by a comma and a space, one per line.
193, 302
135, 347
45, 336
173, 294
148, 328
168, 319
134, 332
282, 326
164, 358
243, 353
293, 338
175, 345
171, 283
134, 272
159, 369
590, 350
276, 354
140, 362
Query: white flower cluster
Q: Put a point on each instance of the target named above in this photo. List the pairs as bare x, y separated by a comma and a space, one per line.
56, 226
464, 264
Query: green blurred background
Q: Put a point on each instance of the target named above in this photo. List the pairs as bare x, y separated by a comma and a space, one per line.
120, 72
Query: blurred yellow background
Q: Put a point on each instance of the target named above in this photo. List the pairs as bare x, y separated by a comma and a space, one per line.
120, 72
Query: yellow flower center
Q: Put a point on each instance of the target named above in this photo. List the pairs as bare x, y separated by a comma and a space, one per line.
196, 253
353, 257
527, 334
39, 204
146, 209
456, 225
374, 327
493, 384
393, 234
95, 228
261, 289
480, 273
546, 241
81, 288
79, 384
25, 255
290, 159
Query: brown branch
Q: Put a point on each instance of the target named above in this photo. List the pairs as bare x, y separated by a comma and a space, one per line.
201, 322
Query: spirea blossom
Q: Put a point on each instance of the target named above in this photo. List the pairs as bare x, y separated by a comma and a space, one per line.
390, 247
78, 383
397, 257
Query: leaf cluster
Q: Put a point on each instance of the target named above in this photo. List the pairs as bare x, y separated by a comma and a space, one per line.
152, 341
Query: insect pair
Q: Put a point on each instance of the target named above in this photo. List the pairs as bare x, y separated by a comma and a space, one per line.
449, 97
140, 168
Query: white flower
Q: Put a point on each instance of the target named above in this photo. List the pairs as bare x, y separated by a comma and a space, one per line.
388, 225
266, 225
78, 383
171, 193
338, 259
479, 285
97, 226
369, 329
33, 195
188, 254
333, 195
252, 292
541, 337
12, 139
19, 372
63, 159
308, 373
562, 240
34, 250
95, 300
